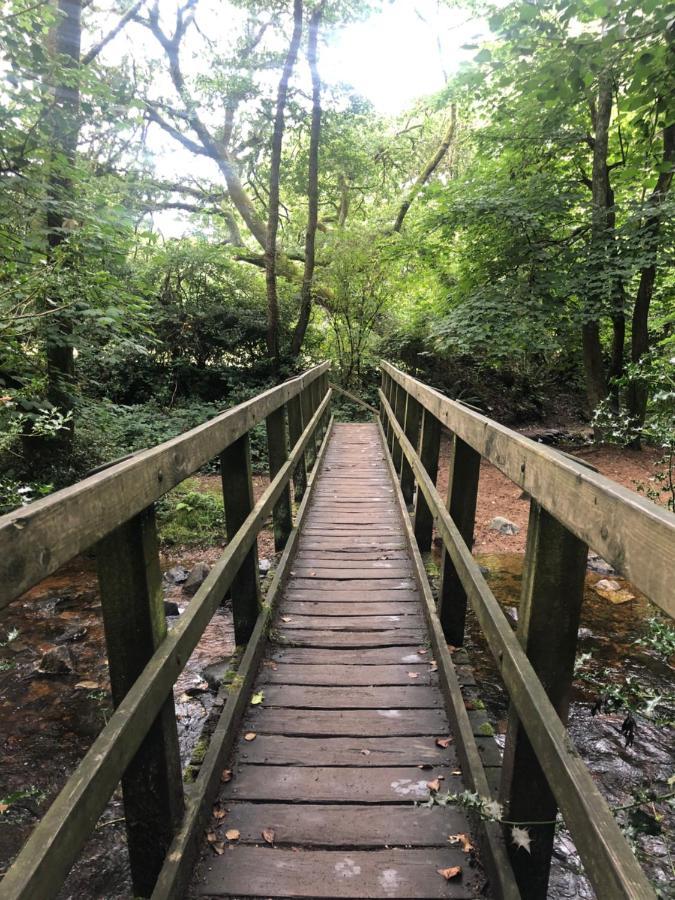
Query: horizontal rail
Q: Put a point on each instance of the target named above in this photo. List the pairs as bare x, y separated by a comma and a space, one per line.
633, 534
607, 857
37, 540
56, 841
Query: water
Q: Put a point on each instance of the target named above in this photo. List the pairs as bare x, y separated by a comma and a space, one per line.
611, 634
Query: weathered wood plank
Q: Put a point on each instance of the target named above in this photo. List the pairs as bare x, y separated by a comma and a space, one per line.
354, 723
340, 640
280, 750
328, 609
381, 571
350, 623
264, 872
347, 675
362, 657
335, 784
413, 696
318, 825
383, 582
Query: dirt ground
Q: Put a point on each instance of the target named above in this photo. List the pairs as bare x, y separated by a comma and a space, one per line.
498, 496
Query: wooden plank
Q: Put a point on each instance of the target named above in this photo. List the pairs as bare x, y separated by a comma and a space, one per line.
316, 608
335, 784
347, 675
379, 570
319, 825
238, 501
430, 445
349, 557
39, 538
584, 501
355, 723
462, 496
552, 592
264, 872
363, 657
359, 598
609, 861
55, 842
384, 583
350, 623
135, 625
280, 750
345, 639
412, 696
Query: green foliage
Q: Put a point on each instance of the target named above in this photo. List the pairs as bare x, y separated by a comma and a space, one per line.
187, 516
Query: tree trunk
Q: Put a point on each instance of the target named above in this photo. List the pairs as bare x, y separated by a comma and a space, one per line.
273, 208
312, 186
637, 392
596, 380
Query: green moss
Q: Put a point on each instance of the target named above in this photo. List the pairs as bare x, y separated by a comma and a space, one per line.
486, 729
191, 515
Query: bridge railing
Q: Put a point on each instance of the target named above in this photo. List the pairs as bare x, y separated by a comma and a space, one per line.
113, 512
571, 509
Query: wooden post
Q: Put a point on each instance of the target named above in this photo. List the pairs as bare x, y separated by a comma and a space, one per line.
430, 443
548, 622
277, 448
133, 616
394, 390
237, 481
399, 413
385, 388
307, 413
411, 427
462, 494
295, 429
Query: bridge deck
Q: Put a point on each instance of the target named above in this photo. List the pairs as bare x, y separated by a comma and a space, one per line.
323, 797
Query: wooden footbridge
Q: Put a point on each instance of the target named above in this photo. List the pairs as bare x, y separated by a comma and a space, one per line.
347, 720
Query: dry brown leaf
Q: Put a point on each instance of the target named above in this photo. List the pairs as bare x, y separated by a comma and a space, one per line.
218, 847
3, 807
250, 736
433, 665
452, 648
462, 839
451, 872
443, 742
435, 785
365, 752
218, 812
422, 651
233, 834
456, 772
413, 674
268, 835
87, 686
226, 776
286, 619
211, 837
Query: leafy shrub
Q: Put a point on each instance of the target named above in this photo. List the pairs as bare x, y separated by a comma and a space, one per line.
187, 516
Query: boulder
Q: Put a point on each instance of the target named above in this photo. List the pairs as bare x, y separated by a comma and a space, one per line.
597, 564
57, 661
196, 578
214, 673
503, 526
175, 575
72, 635
171, 608
264, 565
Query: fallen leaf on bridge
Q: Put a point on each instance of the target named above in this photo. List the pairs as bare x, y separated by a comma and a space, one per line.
226, 776
462, 839
233, 834
435, 785
257, 698
443, 742
250, 736
413, 674
268, 835
451, 872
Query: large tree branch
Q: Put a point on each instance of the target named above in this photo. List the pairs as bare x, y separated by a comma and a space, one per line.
94, 51
429, 169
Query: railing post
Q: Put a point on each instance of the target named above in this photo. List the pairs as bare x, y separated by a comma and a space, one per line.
394, 389
295, 429
277, 449
306, 402
399, 413
462, 493
238, 500
411, 428
548, 621
133, 616
384, 387
430, 443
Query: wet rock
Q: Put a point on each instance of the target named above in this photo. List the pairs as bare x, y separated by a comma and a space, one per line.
597, 564
196, 578
584, 634
264, 565
215, 673
171, 608
503, 526
512, 613
484, 571
57, 661
199, 686
176, 575
606, 584
72, 635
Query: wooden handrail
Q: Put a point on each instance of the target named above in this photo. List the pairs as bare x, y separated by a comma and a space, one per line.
56, 841
633, 534
608, 859
36, 540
